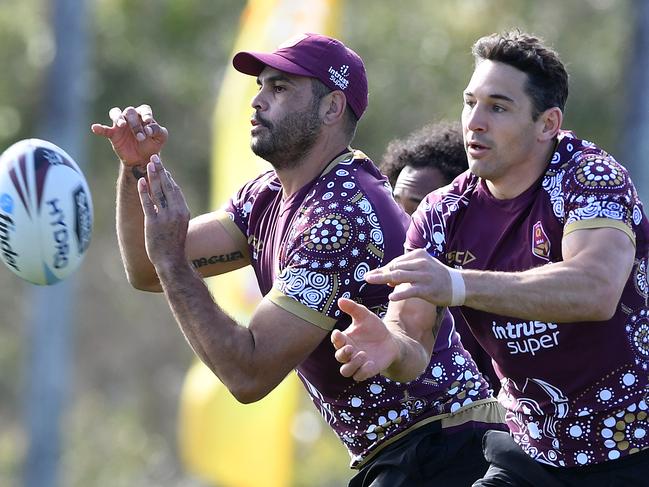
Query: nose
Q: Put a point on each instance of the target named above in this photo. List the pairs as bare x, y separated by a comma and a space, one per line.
474, 119
258, 102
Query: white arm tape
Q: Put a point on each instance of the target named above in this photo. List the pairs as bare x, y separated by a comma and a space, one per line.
458, 289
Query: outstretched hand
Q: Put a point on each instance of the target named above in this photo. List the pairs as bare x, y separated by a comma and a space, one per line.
166, 215
366, 348
134, 134
415, 275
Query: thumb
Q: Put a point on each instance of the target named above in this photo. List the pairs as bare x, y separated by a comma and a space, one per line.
103, 130
352, 308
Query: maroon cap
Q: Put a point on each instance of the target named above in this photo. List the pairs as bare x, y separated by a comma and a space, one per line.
316, 56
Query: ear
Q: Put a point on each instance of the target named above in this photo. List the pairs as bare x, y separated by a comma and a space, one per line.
551, 123
332, 107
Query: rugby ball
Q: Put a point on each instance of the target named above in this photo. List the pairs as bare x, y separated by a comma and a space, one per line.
45, 212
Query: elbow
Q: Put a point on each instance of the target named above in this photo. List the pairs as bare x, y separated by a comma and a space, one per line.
604, 290
241, 386
245, 398
246, 390
247, 395
604, 310
148, 285
604, 303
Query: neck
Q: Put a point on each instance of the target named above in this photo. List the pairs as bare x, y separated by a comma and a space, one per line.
311, 165
517, 181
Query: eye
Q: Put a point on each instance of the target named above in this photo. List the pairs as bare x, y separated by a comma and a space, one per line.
278, 88
498, 109
469, 103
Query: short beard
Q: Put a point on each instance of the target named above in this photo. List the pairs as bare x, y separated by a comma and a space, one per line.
290, 139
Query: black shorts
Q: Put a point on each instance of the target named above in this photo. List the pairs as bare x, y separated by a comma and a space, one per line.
429, 456
511, 467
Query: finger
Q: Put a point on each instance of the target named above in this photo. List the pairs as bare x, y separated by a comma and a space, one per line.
173, 181
103, 130
117, 116
382, 275
354, 365
155, 187
408, 261
366, 371
176, 194
395, 273
146, 113
338, 339
135, 123
404, 291
345, 354
346, 305
148, 206
156, 131
169, 189
352, 308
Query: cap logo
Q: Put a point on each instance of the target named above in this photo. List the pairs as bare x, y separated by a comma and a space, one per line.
339, 77
292, 41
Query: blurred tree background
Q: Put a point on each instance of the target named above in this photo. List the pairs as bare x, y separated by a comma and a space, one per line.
129, 358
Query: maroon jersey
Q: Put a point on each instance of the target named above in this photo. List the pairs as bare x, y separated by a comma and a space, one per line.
575, 393
316, 247
471, 345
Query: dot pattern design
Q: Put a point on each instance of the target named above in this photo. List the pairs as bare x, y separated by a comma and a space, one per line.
616, 428
598, 172
560, 391
640, 281
637, 330
347, 224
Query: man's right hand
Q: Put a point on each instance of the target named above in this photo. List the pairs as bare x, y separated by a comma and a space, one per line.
134, 135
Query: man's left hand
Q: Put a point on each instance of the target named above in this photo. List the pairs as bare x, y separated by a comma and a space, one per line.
166, 215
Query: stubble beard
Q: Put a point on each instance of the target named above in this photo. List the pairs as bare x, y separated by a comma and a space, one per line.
285, 143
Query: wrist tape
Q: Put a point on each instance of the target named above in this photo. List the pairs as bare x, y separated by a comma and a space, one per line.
458, 289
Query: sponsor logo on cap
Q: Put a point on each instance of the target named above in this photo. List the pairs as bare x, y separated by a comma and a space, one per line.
339, 76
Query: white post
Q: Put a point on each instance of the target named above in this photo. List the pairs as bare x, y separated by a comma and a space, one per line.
50, 310
636, 127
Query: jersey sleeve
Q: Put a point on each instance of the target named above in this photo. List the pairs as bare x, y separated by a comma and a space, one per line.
333, 242
598, 192
235, 214
427, 228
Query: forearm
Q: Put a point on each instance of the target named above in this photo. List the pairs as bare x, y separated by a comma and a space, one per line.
130, 230
226, 347
414, 325
558, 292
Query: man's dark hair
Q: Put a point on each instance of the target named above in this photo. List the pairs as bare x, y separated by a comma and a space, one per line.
319, 91
547, 79
439, 145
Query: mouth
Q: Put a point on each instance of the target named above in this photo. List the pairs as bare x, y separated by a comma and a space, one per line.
476, 149
257, 124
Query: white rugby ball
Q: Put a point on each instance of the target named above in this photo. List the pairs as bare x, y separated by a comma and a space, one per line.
45, 212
